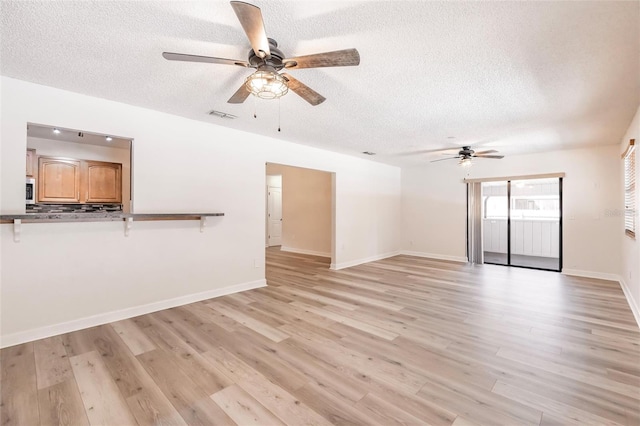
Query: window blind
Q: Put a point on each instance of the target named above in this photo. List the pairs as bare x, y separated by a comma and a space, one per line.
630, 189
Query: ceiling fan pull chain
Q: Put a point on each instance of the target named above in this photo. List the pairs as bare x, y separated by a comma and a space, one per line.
254, 108
279, 114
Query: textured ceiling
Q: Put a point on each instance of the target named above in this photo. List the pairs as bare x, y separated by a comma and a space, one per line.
515, 76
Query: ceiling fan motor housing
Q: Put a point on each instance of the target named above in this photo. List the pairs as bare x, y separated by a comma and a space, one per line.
274, 61
466, 152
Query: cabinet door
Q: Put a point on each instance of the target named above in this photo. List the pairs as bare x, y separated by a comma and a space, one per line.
58, 180
102, 182
31, 156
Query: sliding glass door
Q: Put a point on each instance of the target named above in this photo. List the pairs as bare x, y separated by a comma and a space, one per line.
495, 239
535, 223
522, 223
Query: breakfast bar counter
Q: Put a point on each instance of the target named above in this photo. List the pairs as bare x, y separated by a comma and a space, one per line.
127, 218
100, 217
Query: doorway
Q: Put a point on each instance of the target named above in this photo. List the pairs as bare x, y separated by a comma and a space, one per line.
521, 223
300, 209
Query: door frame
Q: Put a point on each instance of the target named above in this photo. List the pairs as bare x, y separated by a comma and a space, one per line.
334, 218
560, 223
268, 216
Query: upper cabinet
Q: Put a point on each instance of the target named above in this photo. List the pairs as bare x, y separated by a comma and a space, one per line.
102, 182
31, 158
67, 180
58, 180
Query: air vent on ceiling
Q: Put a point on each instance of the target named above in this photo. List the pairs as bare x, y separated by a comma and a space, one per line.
368, 153
222, 114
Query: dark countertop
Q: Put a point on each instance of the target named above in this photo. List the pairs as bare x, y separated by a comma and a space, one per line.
101, 216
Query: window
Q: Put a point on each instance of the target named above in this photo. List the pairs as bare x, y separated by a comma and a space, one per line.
526, 207
630, 189
496, 207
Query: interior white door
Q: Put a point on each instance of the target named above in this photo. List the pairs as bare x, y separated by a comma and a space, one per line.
274, 201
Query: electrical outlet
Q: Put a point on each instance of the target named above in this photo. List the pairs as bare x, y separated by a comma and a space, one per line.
256, 263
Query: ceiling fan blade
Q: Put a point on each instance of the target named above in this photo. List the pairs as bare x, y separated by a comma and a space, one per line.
240, 96
488, 151
443, 151
304, 91
489, 156
250, 18
208, 59
443, 159
338, 58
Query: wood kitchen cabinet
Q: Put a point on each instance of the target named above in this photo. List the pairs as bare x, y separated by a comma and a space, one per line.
31, 158
67, 180
102, 182
58, 180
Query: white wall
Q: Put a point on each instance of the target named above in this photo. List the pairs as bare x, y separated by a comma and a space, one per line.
83, 151
630, 258
434, 206
306, 209
66, 272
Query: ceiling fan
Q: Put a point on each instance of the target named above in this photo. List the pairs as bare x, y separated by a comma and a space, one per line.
466, 154
267, 82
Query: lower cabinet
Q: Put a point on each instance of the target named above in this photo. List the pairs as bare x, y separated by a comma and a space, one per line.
67, 180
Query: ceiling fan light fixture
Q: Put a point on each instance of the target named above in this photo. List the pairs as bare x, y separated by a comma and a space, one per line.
267, 84
465, 162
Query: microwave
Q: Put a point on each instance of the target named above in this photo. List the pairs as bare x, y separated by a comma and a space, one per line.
31, 191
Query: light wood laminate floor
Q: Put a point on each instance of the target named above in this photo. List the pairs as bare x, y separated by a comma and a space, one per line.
399, 341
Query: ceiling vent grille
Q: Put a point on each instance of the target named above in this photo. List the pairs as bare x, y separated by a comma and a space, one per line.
222, 114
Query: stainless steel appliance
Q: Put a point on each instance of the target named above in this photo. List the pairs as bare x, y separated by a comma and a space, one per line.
31, 191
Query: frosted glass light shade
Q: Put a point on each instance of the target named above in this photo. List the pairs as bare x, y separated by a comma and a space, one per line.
267, 85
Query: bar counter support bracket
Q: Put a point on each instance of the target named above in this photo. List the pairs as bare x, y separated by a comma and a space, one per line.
17, 228
127, 225
203, 223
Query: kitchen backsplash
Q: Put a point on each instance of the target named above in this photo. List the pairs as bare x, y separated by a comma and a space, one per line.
73, 208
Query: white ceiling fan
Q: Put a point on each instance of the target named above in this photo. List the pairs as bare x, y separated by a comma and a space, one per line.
466, 154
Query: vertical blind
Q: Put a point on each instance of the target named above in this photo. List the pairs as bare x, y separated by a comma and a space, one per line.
630, 189
474, 227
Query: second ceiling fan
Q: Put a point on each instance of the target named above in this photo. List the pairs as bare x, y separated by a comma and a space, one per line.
267, 82
466, 154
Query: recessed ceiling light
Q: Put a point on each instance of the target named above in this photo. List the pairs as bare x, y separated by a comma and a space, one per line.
109, 138
56, 131
368, 153
451, 137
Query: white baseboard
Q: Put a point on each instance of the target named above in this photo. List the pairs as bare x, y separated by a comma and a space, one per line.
591, 274
107, 317
342, 265
434, 256
305, 251
633, 304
